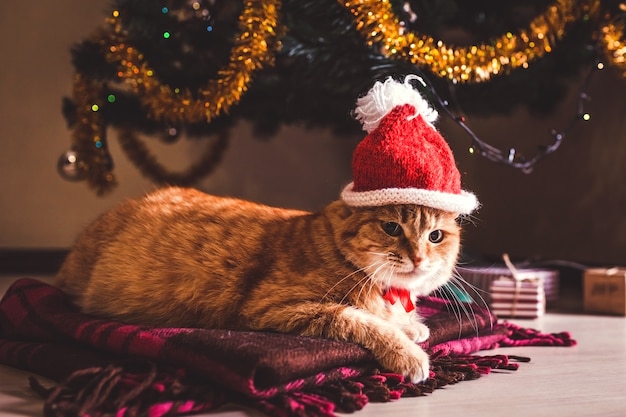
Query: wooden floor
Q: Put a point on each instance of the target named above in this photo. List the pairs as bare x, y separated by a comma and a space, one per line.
586, 380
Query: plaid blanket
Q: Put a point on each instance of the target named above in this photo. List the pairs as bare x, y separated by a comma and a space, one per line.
103, 366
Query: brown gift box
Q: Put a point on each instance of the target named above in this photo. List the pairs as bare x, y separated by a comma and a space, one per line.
605, 291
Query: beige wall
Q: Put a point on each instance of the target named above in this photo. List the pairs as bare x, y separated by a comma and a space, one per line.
39, 209
571, 207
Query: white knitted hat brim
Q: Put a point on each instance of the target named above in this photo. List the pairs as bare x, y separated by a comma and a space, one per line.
463, 203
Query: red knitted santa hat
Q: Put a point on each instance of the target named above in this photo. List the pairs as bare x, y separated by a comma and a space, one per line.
403, 159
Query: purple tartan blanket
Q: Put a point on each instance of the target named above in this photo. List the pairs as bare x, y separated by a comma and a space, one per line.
104, 366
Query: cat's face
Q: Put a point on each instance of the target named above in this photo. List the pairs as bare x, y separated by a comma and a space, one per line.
405, 246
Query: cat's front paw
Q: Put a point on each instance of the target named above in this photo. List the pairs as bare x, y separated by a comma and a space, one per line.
417, 332
410, 361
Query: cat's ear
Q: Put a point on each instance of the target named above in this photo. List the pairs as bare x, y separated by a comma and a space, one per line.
340, 210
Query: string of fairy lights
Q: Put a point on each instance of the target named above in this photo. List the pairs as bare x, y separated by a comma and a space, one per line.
379, 25
254, 48
511, 157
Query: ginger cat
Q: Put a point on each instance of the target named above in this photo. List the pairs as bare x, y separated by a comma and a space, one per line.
182, 258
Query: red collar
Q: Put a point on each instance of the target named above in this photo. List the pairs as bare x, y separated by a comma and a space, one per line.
393, 294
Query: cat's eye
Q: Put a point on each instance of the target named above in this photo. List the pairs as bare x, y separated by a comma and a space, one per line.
436, 236
392, 228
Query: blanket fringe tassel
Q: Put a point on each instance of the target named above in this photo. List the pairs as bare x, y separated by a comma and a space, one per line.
123, 390
137, 388
522, 336
351, 395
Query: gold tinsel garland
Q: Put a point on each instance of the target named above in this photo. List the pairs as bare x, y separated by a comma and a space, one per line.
378, 23
253, 49
93, 162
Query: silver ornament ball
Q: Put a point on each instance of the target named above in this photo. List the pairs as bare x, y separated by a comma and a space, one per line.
70, 166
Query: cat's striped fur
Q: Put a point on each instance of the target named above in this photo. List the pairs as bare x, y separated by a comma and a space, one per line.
179, 257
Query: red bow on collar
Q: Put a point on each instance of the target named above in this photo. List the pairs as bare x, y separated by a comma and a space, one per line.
394, 294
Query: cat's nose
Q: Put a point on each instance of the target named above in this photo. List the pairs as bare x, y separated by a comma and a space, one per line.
417, 260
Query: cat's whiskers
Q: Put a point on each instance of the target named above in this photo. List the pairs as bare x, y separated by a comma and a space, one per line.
359, 282
462, 308
368, 281
461, 283
384, 266
451, 306
378, 253
392, 271
383, 258
372, 278
386, 280
459, 280
373, 283
363, 269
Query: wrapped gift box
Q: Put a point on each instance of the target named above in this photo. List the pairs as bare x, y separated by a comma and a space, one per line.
481, 277
518, 298
605, 291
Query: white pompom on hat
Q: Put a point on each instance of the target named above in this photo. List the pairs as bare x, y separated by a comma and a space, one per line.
403, 159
